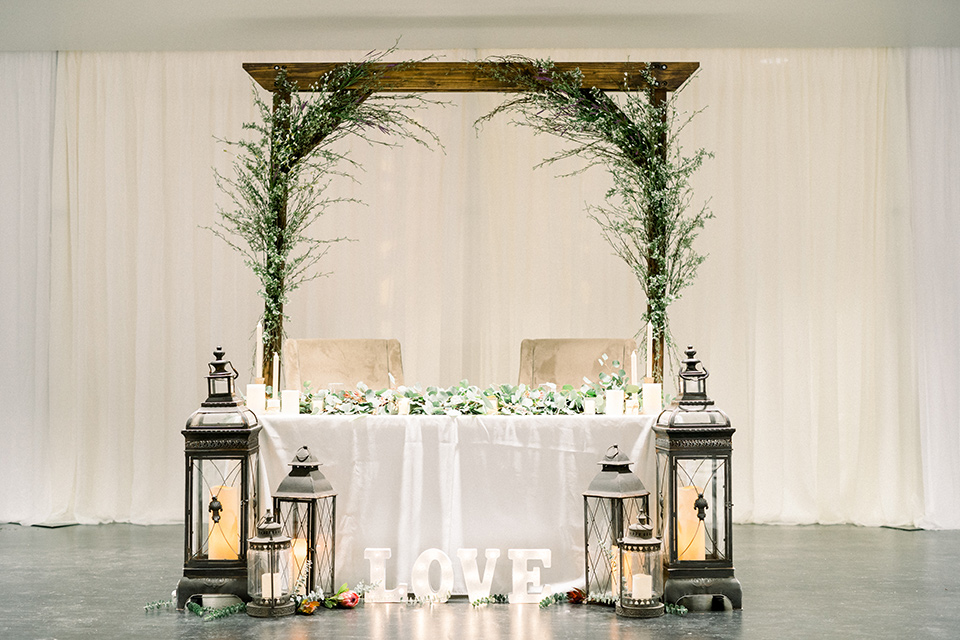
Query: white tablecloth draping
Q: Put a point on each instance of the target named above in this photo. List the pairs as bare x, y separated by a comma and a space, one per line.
410, 483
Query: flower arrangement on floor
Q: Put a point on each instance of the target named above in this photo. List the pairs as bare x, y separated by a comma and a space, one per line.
466, 399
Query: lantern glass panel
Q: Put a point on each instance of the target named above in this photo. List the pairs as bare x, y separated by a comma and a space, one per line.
269, 574
219, 386
605, 518
699, 488
217, 509
642, 576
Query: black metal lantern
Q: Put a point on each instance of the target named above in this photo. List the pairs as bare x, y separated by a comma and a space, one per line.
222, 454
694, 446
615, 496
270, 571
641, 572
306, 506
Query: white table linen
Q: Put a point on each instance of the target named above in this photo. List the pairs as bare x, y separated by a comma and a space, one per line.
410, 483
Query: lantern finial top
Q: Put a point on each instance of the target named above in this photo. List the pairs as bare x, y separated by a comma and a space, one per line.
303, 458
268, 527
690, 363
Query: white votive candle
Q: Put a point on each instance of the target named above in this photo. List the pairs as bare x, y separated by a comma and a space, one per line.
403, 406
290, 401
589, 406
273, 405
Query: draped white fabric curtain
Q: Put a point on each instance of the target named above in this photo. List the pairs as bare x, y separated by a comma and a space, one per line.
934, 99
804, 313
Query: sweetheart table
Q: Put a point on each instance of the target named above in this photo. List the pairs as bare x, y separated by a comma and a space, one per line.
411, 483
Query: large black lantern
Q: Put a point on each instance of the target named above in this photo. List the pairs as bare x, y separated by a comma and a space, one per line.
694, 445
221, 489
306, 506
615, 496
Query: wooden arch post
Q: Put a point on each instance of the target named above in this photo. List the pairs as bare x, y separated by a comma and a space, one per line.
464, 77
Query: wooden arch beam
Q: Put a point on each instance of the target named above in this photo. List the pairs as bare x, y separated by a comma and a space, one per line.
460, 77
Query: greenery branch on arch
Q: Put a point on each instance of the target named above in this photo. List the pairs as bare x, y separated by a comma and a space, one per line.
282, 174
646, 218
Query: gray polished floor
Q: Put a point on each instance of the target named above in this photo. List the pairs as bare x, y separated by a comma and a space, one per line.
798, 582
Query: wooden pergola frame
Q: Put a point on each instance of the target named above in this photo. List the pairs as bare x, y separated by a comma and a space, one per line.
465, 77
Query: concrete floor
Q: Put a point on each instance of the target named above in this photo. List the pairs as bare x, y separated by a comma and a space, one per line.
798, 582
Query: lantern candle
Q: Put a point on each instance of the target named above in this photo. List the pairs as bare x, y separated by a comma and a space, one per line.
299, 554
224, 532
690, 532
642, 586
270, 585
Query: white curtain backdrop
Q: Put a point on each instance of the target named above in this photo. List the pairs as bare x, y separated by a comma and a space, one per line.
804, 312
934, 91
27, 84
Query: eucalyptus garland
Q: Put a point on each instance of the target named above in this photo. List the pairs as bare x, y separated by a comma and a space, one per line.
646, 217
282, 174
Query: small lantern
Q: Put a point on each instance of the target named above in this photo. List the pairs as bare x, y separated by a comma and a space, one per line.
615, 496
641, 574
270, 571
306, 506
221, 489
694, 446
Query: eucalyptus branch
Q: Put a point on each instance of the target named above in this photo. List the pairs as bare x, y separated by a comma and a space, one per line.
282, 171
646, 216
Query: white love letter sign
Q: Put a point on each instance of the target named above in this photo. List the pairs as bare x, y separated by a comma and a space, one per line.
524, 578
421, 575
477, 588
378, 577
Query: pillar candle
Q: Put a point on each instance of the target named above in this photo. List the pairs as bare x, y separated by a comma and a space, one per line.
271, 585
276, 375
257, 397
224, 536
290, 401
589, 406
652, 397
690, 532
299, 554
614, 398
642, 586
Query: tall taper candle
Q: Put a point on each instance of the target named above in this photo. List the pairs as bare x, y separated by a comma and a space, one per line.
650, 350
276, 375
258, 363
633, 368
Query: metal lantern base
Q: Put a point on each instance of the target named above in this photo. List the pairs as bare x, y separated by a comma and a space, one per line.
258, 610
645, 611
704, 594
189, 587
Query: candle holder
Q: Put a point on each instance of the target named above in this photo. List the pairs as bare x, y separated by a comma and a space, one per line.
222, 452
615, 495
306, 505
641, 572
694, 447
269, 573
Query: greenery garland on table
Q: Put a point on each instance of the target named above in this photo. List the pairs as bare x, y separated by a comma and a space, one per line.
466, 399
636, 139
282, 174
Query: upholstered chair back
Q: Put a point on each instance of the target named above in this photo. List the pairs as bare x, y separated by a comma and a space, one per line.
322, 362
568, 360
